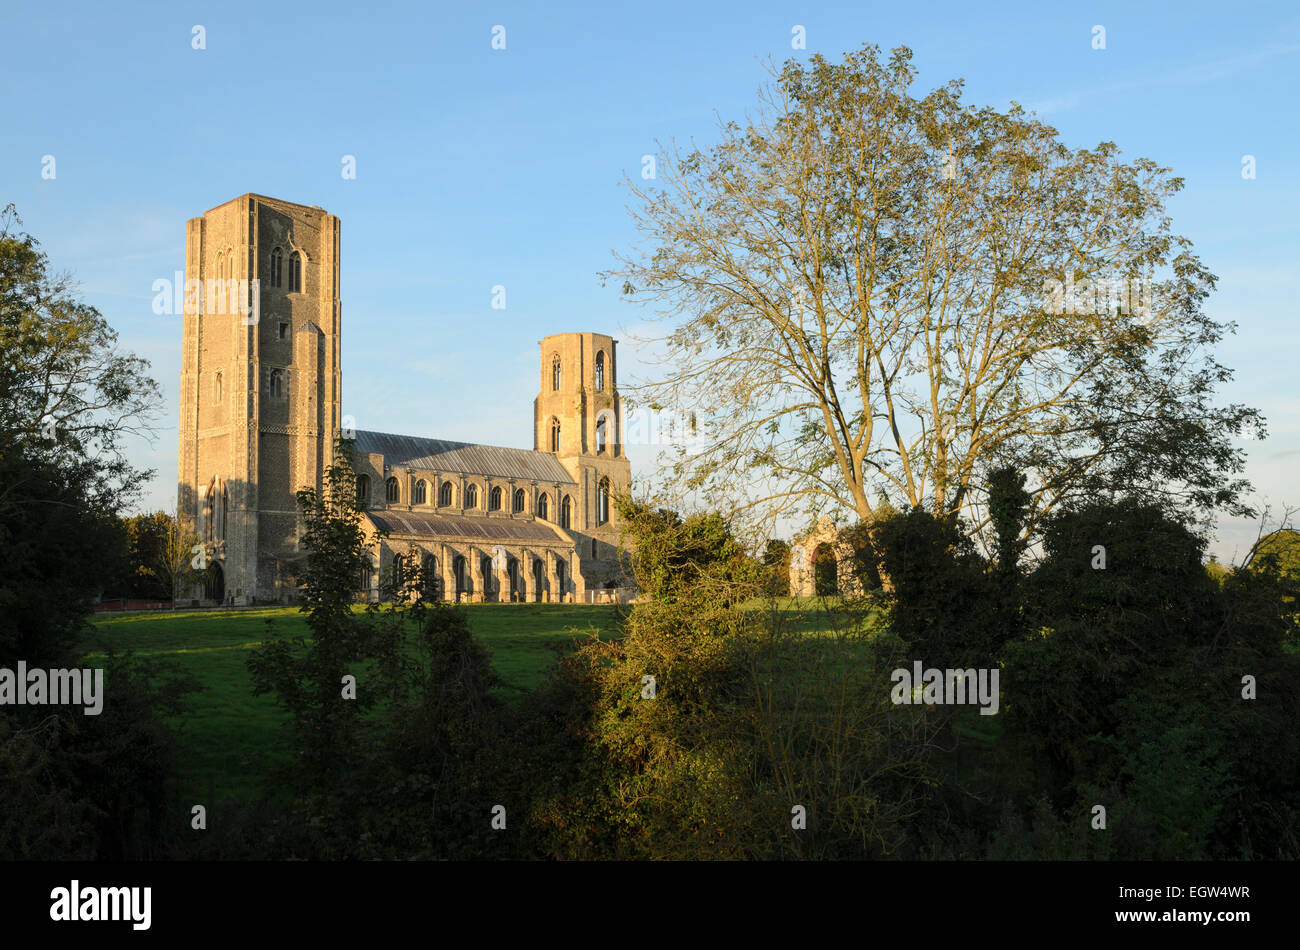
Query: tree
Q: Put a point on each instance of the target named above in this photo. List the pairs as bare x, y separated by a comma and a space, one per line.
173, 557
71, 786
776, 557
64, 384
869, 293
66, 395
307, 679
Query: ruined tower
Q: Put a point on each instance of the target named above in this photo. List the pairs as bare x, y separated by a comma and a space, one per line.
260, 385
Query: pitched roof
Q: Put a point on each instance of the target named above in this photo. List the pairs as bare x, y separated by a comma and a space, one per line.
465, 458
455, 526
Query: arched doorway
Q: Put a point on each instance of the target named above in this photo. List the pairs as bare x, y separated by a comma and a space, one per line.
214, 588
825, 571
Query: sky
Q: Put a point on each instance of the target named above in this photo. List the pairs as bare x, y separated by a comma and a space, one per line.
478, 167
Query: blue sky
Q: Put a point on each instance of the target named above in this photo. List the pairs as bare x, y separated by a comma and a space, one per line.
477, 167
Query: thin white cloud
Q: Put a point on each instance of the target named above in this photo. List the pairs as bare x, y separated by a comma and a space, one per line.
1192, 75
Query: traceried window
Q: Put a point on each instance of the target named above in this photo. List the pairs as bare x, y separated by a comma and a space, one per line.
519, 500
421, 491
555, 372
295, 273
444, 495
471, 496
392, 490
494, 499
600, 371
543, 507
602, 501
277, 268
566, 512
363, 489
600, 434
277, 384
555, 435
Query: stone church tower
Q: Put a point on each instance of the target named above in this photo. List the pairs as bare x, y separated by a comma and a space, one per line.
260, 385
577, 416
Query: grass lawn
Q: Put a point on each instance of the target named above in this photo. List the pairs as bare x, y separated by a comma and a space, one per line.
233, 738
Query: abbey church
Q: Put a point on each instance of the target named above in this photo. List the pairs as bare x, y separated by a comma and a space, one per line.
261, 407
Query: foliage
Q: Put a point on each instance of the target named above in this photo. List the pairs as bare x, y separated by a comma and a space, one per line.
940, 596
888, 292
307, 678
71, 785
776, 558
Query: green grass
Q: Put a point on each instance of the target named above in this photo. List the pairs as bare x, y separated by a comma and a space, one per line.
235, 739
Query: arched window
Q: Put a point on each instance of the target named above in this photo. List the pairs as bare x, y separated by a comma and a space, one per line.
555, 435
392, 491
471, 496
219, 388
494, 499
519, 500
363, 582
277, 268
543, 507
593, 549
277, 383
600, 371
363, 489
444, 494
566, 512
399, 570
602, 501
600, 434
555, 372
295, 273
421, 490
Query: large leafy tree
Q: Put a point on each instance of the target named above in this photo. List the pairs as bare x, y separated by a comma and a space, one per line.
67, 396
65, 386
72, 786
870, 293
